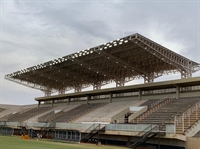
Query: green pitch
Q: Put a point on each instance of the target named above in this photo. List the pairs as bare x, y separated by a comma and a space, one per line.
15, 142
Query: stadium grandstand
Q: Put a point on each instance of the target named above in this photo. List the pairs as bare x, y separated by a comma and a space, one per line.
162, 114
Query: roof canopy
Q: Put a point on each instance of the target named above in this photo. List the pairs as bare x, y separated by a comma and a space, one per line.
119, 61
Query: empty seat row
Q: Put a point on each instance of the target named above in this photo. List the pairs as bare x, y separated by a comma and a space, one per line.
167, 113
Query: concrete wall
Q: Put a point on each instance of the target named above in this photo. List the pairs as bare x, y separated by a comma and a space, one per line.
137, 113
190, 94
194, 129
119, 117
193, 143
128, 98
171, 95
135, 97
170, 142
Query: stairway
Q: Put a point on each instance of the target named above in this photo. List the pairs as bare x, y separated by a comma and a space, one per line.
152, 110
23, 130
145, 135
188, 121
46, 129
96, 130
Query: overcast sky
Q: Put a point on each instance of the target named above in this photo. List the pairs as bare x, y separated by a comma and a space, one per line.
33, 32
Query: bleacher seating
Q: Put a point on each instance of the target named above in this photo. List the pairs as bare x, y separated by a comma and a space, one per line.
151, 103
1, 109
76, 112
22, 116
105, 113
167, 113
52, 115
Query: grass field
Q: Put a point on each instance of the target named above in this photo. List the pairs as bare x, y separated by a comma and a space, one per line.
15, 142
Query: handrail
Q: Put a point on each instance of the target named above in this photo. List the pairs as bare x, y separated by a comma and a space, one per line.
181, 120
155, 108
144, 131
156, 103
90, 128
145, 135
187, 113
44, 117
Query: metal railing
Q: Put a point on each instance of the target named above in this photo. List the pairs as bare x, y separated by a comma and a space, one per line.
154, 109
186, 116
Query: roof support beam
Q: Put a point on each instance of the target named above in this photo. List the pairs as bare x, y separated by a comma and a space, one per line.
120, 62
48, 92
77, 89
154, 52
92, 68
120, 82
97, 86
183, 64
61, 91
149, 78
31, 85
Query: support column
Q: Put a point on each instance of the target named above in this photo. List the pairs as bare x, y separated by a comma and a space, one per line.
77, 89
97, 86
186, 73
39, 102
140, 94
47, 92
110, 97
149, 78
128, 142
52, 102
177, 92
120, 82
69, 101
61, 91
88, 99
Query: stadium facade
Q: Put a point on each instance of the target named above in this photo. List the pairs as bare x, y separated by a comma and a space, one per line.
154, 114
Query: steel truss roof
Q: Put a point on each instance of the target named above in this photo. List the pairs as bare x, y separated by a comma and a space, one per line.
118, 61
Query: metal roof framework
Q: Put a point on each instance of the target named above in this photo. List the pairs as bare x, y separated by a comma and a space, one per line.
118, 61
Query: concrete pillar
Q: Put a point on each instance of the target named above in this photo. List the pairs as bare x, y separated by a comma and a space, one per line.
110, 97
39, 102
177, 92
140, 94
128, 142
69, 100
88, 99
52, 102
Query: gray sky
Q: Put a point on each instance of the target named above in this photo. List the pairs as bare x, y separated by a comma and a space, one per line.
33, 32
